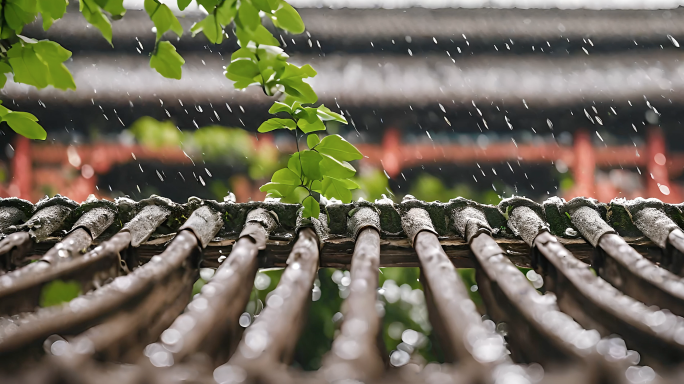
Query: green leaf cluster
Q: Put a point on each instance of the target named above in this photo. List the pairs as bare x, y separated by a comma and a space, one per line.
281, 14
267, 66
17, 13
321, 170
248, 24
307, 119
39, 63
165, 59
36, 63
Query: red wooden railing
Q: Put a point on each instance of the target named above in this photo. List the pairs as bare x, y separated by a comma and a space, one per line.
34, 164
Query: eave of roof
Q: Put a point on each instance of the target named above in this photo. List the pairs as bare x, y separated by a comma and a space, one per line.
385, 81
335, 228
366, 25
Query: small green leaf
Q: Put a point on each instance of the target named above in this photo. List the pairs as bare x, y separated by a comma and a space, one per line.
51, 10
17, 13
295, 196
325, 114
242, 69
285, 176
311, 207
57, 292
336, 188
242, 84
308, 161
294, 105
308, 70
151, 6
25, 124
208, 4
262, 5
28, 67
243, 53
22, 115
4, 68
260, 36
275, 123
40, 64
288, 19
53, 55
310, 122
163, 18
266, 69
47, 22
182, 4
93, 14
249, 29
272, 54
218, 18
167, 61
339, 148
299, 90
335, 168
279, 107
312, 140
247, 16
114, 7
291, 71
211, 28
226, 12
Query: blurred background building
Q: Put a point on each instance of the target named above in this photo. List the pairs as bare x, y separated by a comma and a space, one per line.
476, 98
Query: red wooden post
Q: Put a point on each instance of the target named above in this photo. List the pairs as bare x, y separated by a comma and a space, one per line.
391, 158
584, 165
22, 170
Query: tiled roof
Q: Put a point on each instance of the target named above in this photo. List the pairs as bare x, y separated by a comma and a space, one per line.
137, 277
17, 214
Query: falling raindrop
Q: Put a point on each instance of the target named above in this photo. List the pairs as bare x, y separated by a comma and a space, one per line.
245, 320
399, 358
673, 41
